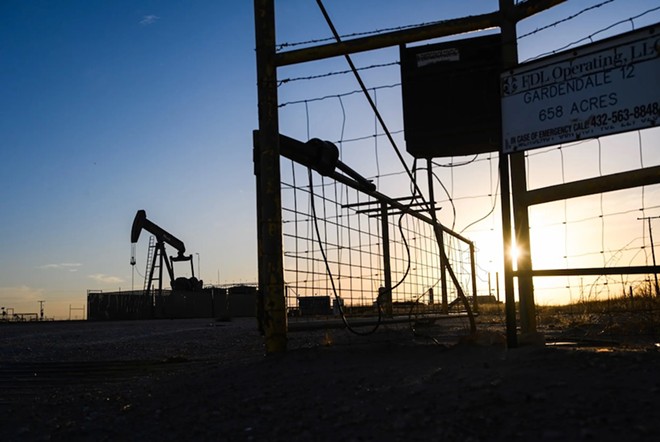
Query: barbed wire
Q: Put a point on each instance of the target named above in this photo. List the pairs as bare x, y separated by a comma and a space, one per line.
330, 74
563, 20
345, 94
548, 26
608, 255
591, 36
281, 46
590, 218
368, 137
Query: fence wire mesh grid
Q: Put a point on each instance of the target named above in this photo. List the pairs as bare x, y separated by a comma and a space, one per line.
342, 248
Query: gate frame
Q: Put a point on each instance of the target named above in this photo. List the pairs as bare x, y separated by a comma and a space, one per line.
269, 204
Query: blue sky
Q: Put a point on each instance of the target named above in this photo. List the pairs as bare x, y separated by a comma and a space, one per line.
111, 107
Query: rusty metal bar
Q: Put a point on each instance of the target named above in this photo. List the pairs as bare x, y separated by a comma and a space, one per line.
607, 183
290, 145
441, 29
597, 271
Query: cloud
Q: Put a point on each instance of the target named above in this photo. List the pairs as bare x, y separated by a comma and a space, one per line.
68, 266
49, 266
106, 279
23, 293
149, 20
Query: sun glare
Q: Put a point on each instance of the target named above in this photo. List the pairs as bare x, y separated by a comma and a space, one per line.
514, 253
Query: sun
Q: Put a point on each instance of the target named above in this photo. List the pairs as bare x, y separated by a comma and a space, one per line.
515, 252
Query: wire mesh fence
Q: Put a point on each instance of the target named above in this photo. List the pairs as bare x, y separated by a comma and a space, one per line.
355, 254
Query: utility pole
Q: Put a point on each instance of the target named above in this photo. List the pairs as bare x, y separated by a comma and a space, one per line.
41, 310
655, 272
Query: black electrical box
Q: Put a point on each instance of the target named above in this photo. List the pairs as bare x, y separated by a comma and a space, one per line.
451, 97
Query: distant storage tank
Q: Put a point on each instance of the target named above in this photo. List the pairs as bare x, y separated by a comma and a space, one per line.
210, 302
242, 300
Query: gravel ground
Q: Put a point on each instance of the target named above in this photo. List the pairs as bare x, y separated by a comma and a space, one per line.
205, 380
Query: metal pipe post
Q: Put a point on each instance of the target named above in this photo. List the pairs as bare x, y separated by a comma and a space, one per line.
440, 238
519, 187
387, 269
269, 203
509, 58
473, 270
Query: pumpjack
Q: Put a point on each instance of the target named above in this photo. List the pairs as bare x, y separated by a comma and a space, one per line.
158, 256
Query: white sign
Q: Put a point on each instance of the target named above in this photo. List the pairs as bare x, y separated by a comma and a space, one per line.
440, 55
603, 88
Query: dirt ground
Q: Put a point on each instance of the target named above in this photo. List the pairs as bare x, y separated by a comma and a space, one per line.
207, 380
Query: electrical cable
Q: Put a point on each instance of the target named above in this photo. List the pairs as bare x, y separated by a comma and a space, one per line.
339, 232
330, 275
449, 197
459, 164
376, 140
492, 209
329, 271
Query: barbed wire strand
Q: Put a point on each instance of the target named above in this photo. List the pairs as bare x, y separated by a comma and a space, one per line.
331, 74
564, 20
543, 28
356, 34
282, 46
590, 37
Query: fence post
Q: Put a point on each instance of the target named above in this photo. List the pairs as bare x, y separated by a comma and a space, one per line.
267, 169
387, 270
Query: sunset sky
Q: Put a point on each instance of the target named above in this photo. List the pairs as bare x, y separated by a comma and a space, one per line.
112, 107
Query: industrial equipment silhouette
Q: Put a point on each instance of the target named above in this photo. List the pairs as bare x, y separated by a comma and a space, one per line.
157, 255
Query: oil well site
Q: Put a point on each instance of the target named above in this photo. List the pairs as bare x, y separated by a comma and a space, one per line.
455, 228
